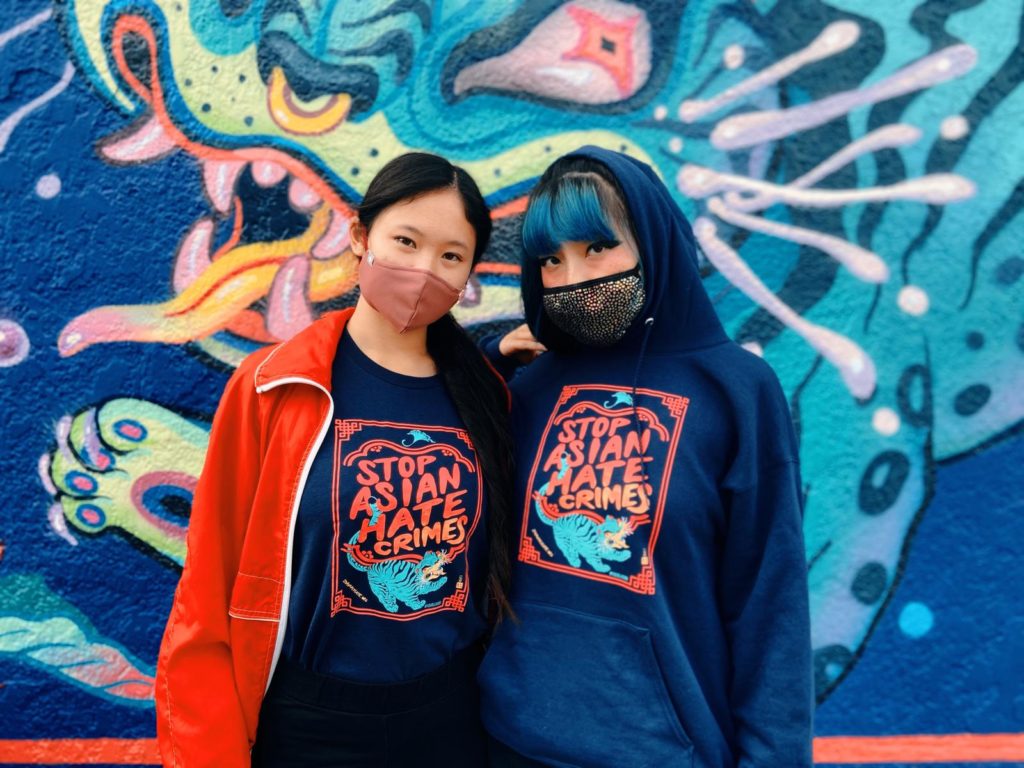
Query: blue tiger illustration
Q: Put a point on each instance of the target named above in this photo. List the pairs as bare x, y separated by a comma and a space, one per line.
401, 580
577, 536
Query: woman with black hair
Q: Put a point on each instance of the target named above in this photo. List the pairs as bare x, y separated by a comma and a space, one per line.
349, 525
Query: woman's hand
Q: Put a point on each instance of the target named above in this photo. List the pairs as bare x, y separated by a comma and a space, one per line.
520, 344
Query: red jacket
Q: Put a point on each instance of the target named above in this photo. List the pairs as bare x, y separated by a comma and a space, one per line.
225, 631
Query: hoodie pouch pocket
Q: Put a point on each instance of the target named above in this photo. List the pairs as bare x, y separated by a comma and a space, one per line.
582, 690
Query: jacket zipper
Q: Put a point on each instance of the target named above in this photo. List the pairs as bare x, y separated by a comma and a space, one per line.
311, 456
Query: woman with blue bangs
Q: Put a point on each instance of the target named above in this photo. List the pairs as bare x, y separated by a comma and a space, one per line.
661, 585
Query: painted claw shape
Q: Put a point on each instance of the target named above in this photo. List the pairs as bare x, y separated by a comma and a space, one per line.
140, 142
335, 239
193, 255
302, 196
219, 177
288, 309
267, 173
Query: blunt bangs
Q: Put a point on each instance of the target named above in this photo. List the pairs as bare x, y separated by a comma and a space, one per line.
569, 211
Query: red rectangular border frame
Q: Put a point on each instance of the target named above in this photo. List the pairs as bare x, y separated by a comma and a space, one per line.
453, 602
643, 582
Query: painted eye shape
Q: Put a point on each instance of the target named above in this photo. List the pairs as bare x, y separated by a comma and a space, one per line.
168, 502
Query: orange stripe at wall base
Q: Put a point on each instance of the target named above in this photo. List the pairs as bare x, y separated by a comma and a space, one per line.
80, 752
952, 748
828, 750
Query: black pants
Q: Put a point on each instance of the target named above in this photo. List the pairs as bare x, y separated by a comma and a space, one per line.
310, 720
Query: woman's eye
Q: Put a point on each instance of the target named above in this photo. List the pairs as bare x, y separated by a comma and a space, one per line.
452, 256
602, 245
548, 261
405, 241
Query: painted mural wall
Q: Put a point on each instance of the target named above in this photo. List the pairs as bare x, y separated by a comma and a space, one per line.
176, 184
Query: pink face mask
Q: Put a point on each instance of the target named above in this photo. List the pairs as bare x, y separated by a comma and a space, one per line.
407, 297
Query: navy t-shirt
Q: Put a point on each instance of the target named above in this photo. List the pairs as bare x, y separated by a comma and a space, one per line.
390, 550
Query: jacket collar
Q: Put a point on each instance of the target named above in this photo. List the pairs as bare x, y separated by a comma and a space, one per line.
309, 354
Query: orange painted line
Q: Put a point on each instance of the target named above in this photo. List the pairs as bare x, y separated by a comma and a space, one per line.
236, 231
510, 208
497, 268
154, 97
80, 751
828, 750
952, 748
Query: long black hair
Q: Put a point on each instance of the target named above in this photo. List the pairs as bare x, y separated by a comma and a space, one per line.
480, 396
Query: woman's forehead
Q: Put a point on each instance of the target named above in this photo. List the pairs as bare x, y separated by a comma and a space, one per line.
437, 214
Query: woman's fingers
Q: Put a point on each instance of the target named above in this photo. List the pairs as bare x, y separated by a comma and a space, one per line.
520, 340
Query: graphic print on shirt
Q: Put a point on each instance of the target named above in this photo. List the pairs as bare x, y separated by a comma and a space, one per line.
590, 511
409, 502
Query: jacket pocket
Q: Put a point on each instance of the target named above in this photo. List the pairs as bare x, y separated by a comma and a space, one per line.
253, 622
255, 597
581, 690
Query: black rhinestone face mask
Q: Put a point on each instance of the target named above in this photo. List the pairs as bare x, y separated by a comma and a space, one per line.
597, 312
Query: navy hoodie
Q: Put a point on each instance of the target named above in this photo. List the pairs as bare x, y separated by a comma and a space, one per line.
661, 581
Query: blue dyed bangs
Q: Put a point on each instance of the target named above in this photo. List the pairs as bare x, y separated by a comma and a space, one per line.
570, 212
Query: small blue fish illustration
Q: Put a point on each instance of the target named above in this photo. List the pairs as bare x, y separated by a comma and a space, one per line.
417, 436
619, 398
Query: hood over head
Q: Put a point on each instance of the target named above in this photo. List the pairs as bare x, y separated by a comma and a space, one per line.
683, 317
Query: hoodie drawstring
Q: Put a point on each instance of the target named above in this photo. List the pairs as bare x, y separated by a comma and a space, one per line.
648, 327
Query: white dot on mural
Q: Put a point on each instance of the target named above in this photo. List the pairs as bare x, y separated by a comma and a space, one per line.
753, 346
14, 345
954, 127
916, 620
886, 421
913, 300
660, 113
733, 56
48, 186
675, 144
